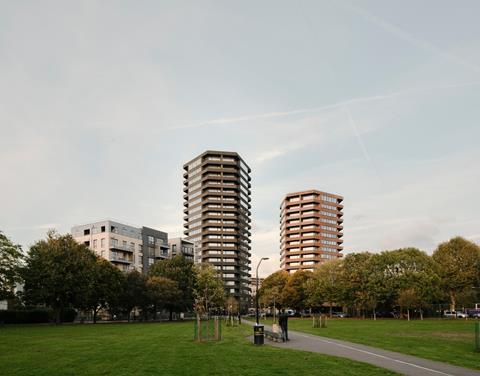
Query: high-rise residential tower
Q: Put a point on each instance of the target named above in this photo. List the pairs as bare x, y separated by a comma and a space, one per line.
310, 229
217, 216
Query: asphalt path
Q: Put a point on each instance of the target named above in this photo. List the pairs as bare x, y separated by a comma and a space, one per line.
401, 363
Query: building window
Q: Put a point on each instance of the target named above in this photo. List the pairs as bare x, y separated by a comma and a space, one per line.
102, 229
86, 231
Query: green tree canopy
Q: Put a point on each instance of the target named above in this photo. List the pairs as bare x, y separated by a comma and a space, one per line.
133, 293
163, 293
459, 267
357, 281
209, 291
11, 257
270, 293
294, 294
105, 287
58, 272
180, 270
326, 285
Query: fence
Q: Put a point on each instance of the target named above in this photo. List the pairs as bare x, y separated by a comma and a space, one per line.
477, 336
319, 321
208, 330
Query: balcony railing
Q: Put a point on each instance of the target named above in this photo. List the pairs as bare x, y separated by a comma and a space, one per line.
122, 247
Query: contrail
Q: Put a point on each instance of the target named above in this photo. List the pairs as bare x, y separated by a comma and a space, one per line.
406, 36
270, 115
359, 138
357, 135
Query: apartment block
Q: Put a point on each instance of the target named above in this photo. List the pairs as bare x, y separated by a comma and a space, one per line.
217, 216
182, 246
127, 247
311, 226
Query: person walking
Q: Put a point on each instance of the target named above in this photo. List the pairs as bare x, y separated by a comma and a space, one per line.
283, 322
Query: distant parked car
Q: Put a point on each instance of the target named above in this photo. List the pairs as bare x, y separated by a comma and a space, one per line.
290, 312
454, 315
340, 315
450, 314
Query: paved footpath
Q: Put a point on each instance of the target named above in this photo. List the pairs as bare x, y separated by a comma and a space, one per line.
401, 363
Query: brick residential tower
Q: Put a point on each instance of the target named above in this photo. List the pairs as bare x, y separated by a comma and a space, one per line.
310, 229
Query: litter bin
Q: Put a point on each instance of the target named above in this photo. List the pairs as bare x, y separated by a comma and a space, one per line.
258, 335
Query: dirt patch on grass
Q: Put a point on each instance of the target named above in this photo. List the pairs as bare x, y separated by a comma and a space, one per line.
454, 336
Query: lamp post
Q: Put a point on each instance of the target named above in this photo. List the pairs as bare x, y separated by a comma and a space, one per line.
256, 291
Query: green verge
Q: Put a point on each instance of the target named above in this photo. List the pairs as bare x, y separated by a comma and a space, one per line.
450, 341
156, 349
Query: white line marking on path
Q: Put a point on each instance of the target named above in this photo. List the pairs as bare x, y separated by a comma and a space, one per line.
374, 354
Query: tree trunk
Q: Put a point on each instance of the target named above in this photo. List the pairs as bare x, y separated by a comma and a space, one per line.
94, 315
408, 314
421, 314
199, 330
374, 314
331, 308
170, 315
453, 301
57, 315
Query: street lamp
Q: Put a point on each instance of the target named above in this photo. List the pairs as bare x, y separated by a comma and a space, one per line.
256, 291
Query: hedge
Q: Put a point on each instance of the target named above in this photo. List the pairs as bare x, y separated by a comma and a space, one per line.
34, 316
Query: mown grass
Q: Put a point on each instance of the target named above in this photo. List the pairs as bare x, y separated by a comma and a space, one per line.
155, 349
451, 341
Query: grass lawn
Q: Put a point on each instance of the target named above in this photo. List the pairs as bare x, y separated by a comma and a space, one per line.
155, 348
451, 341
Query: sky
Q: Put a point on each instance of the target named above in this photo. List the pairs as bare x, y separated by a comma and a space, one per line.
102, 102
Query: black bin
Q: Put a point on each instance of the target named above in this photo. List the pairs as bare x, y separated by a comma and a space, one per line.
258, 335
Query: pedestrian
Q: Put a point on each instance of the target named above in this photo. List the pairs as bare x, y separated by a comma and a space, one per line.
283, 322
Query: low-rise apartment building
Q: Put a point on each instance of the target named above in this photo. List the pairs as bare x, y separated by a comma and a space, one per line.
182, 246
127, 247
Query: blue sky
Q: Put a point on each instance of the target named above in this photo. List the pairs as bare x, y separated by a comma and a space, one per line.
101, 103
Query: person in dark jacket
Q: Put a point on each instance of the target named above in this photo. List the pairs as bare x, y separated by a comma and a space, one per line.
283, 322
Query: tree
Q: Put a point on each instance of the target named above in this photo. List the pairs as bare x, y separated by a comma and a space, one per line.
406, 277
133, 293
408, 299
325, 285
270, 293
163, 293
294, 294
57, 272
459, 267
104, 288
180, 270
209, 291
358, 292
11, 257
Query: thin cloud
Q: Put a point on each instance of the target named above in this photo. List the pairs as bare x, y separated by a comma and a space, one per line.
270, 115
408, 37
